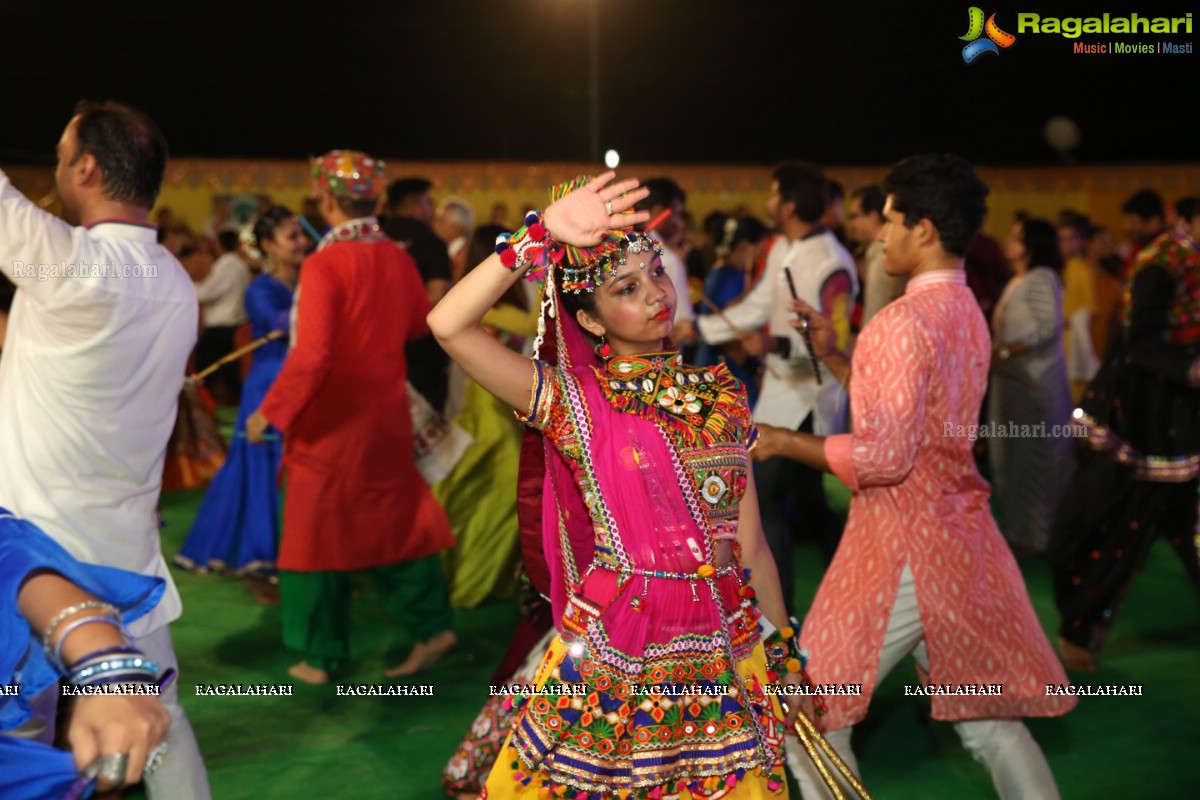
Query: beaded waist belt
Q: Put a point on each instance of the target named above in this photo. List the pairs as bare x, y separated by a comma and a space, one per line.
705, 573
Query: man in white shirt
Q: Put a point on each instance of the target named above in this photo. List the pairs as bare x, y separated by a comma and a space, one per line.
665, 195
791, 496
98, 339
221, 294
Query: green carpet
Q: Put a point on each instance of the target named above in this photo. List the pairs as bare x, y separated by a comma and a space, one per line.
317, 745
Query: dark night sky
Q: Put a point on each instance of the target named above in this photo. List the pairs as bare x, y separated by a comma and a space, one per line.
717, 81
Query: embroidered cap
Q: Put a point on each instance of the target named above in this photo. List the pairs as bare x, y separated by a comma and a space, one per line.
351, 174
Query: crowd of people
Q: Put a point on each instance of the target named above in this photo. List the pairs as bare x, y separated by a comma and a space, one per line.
619, 417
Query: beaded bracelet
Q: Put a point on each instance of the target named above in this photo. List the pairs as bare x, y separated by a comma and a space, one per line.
785, 656
138, 666
783, 652
527, 245
75, 609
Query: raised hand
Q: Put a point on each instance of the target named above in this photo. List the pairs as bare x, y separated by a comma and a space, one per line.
584, 216
820, 328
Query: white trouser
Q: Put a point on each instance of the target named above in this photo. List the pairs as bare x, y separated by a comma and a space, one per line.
181, 774
1018, 768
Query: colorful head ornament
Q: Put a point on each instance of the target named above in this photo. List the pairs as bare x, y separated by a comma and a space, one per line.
590, 273
351, 174
581, 269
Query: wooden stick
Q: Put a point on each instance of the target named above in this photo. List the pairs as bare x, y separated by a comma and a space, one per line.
811, 738
713, 307
234, 356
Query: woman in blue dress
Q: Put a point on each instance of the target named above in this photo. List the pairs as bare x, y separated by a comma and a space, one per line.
236, 529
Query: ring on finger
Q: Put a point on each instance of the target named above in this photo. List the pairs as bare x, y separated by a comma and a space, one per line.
608, 209
154, 760
114, 767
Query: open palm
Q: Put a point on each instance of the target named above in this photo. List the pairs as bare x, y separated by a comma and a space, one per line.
584, 216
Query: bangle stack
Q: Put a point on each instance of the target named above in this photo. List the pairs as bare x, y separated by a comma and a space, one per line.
529, 245
784, 656
121, 664
111, 617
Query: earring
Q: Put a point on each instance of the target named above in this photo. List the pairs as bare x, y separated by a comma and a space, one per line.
603, 351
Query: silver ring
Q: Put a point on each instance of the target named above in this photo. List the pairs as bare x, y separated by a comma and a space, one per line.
154, 760
608, 207
114, 767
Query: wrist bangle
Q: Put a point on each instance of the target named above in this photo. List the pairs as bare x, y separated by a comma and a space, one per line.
75, 609
56, 657
131, 669
124, 650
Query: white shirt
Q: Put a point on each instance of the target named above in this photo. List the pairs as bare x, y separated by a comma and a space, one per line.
790, 391
222, 292
90, 380
677, 271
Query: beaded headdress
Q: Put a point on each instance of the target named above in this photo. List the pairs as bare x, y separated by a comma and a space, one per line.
351, 174
574, 269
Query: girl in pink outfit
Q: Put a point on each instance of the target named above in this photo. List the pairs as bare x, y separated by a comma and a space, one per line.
657, 682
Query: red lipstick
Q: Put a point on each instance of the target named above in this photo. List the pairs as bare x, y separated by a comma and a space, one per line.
663, 315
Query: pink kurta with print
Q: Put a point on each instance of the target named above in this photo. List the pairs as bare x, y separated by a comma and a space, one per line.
919, 373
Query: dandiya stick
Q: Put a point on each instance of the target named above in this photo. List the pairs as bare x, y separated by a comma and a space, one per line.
659, 220
316, 237
235, 355
713, 307
814, 745
808, 737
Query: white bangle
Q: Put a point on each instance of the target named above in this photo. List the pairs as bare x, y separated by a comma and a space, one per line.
75, 609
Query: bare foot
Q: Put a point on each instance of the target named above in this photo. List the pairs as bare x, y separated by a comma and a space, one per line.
309, 674
1075, 657
263, 590
424, 655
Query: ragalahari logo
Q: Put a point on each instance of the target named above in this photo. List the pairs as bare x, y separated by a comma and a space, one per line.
976, 27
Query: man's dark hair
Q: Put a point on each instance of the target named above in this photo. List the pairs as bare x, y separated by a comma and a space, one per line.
1075, 221
129, 149
663, 191
404, 189
1145, 203
836, 191
354, 209
1186, 208
714, 225
805, 186
1040, 240
228, 241
871, 198
943, 189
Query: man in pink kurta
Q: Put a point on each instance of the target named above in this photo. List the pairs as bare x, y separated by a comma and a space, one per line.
922, 567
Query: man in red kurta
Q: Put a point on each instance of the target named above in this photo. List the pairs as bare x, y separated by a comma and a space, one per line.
354, 498
922, 567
